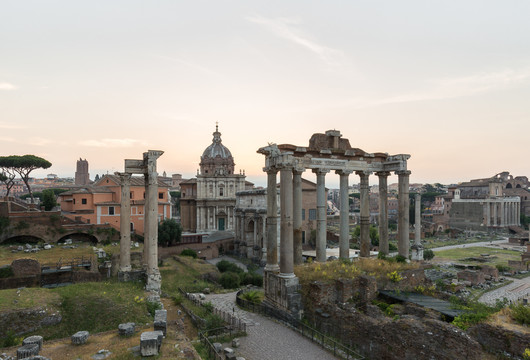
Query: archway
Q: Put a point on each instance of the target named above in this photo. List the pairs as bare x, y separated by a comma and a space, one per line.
22, 239
79, 237
508, 186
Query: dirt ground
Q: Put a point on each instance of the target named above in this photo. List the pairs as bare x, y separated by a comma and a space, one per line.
176, 344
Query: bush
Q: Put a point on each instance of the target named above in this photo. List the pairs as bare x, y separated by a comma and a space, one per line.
502, 268
230, 280
189, 252
428, 254
521, 313
6, 272
401, 259
381, 256
213, 322
10, 339
227, 266
152, 306
253, 296
392, 247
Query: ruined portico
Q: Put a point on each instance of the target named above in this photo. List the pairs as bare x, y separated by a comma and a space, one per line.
146, 167
326, 153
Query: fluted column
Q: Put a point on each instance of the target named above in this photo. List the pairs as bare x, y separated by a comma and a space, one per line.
344, 239
146, 221
403, 213
495, 223
383, 211
297, 215
417, 220
505, 214
272, 222
365, 213
321, 215
264, 240
518, 214
152, 208
286, 223
125, 222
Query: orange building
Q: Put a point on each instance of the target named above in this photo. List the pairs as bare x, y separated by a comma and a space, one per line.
100, 203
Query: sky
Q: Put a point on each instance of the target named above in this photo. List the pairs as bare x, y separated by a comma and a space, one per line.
447, 82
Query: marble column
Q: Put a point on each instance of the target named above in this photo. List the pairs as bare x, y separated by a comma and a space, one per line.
264, 240
321, 215
272, 222
403, 213
488, 214
495, 214
286, 223
383, 211
250, 249
125, 222
297, 215
150, 158
344, 239
518, 214
417, 248
145, 255
365, 213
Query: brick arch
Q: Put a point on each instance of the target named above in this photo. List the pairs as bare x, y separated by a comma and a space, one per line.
79, 236
26, 238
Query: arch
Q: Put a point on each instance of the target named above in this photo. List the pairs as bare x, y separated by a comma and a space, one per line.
508, 186
132, 227
518, 186
79, 236
22, 239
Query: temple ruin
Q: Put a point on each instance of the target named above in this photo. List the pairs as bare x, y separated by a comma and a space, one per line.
326, 152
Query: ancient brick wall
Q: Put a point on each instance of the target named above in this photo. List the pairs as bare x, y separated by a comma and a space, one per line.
25, 267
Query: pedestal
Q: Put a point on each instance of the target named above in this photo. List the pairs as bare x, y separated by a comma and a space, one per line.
283, 293
416, 252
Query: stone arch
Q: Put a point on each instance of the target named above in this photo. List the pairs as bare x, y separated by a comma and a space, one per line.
79, 236
21, 239
508, 186
518, 186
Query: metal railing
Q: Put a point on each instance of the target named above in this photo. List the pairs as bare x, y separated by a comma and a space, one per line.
206, 337
327, 342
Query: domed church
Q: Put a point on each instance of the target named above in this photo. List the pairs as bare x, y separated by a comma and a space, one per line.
208, 201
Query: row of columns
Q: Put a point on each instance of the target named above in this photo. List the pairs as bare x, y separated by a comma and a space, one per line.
207, 218
505, 213
291, 216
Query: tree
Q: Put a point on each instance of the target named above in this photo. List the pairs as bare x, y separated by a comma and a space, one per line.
23, 166
169, 232
175, 198
7, 176
48, 199
374, 235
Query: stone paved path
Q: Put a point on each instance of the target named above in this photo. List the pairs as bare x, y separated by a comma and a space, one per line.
514, 291
267, 339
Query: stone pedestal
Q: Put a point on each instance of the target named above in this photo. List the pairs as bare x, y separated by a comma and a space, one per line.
149, 343
416, 252
36, 339
154, 282
160, 322
126, 329
283, 293
80, 338
27, 351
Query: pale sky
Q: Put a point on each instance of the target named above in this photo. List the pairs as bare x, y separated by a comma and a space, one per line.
447, 82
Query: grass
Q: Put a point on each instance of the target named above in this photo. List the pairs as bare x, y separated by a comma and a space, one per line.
186, 273
431, 243
26, 298
497, 256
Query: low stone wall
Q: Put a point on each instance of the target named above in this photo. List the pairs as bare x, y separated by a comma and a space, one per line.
17, 282
25, 267
28, 320
497, 339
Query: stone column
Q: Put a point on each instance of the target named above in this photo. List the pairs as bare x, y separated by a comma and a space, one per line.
264, 240
488, 213
365, 213
321, 215
255, 240
505, 214
403, 213
495, 214
417, 248
272, 222
344, 239
383, 211
286, 223
297, 215
145, 255
518, 214
125, 222
150, 158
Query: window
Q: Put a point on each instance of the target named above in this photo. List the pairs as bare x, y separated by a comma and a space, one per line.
160, 195
83, 201
303, 214
131, 195
312, 214
74, 201
111, 210
221, 191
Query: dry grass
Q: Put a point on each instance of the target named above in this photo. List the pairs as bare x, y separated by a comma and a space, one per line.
337, 269
14, 299
462, 255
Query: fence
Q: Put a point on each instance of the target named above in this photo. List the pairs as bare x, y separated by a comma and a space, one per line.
219, 332
328, 343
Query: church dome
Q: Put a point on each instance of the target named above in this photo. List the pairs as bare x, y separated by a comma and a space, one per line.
216, 158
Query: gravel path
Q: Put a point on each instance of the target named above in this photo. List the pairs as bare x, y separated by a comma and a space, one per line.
267, 339
514, 291
475, 244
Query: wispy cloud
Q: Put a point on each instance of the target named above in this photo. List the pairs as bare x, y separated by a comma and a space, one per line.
189, 64
7, 86
6, 125
6, 139
38, 141
289, 29
113, 143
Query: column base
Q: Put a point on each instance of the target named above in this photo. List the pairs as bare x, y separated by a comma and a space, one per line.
272, 268
416, 252
283, 293
154, 282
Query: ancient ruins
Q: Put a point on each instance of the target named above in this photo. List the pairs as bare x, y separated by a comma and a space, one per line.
326, 152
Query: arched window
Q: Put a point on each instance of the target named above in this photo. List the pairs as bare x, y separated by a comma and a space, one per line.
508, 186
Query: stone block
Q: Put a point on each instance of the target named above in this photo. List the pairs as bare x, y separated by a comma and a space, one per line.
149, 343
160, 322
38, 357
235, 342
27, 351
218, 347
230, 356
126, 329
80, 337
228, 350
36, 339
25, 267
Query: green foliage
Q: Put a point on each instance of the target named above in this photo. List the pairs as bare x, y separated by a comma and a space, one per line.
386, 308
381, 256
526, 354
392, 247
428, 254
356, 234
525, 221
152, 306
374, 235
394, 276
177, 299
6, 272
253, 296
521, 313
48, 199
502, 268
213, 322
169, 232
21, 225
10, 339
476, 312
189, 252
225, 266
401, 259
54, 218
24, 165
229, 280
251, 279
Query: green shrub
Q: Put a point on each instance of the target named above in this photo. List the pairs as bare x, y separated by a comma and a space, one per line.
392, 247
230, 280
476, 312
401, 259
213, 322
428, 254
502, 268
253, 296
521, 313
152, 306
381, 256
208, 306
227, 266
10, 339
6, 272
189, 252
177, 299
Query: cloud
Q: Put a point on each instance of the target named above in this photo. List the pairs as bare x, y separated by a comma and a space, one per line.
189, 64
6, 125
6, 139
113, 143
38, 141
7, 86
288, 29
